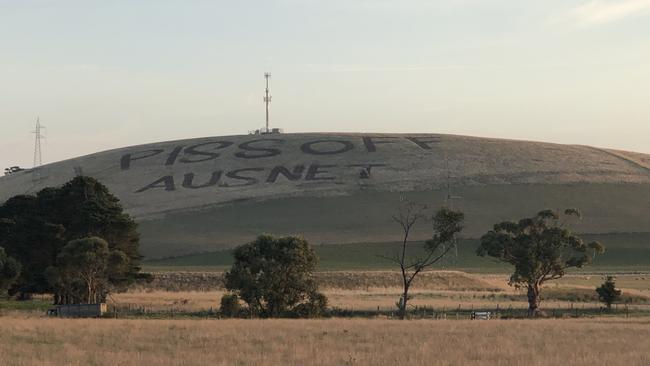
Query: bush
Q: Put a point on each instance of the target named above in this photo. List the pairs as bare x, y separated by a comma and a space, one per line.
230, 306
608, 293
315, 307
274, 277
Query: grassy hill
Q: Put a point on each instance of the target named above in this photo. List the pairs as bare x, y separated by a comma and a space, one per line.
212, 193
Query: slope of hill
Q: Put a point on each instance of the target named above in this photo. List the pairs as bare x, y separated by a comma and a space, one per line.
626, 252
213, 193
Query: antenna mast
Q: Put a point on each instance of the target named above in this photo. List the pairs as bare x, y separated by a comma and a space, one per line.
38, 158
267, 99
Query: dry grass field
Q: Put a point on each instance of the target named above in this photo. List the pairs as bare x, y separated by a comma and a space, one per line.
372, 291
56, 342
373, 299
29, 338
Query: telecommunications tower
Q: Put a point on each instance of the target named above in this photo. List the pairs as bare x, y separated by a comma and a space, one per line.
267, 99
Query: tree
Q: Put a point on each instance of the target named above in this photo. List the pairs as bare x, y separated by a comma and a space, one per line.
37, 227
608, 293
66, 286
86, 208
9, 267
90, 262
9, 271
447, 224
273, 276
32, 240
541, 249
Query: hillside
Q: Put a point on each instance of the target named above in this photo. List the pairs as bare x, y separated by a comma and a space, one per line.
213, 193
625, 253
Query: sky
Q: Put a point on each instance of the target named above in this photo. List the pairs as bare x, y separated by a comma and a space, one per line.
108, 74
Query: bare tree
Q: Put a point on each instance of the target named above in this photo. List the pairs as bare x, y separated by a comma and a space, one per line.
446, 224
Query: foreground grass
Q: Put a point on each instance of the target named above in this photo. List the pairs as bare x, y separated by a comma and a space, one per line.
37, 341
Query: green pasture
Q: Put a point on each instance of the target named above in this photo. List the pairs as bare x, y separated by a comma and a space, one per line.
629, 252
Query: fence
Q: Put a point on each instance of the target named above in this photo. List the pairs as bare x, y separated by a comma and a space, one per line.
417, 312
498, 312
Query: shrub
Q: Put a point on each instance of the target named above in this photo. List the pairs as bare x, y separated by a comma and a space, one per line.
230, 306
315, 307
608, 293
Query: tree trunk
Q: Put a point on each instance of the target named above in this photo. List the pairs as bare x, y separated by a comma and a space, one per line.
90, 293
533, 300
403, 303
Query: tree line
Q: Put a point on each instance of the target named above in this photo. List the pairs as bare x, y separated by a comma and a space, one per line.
74, 241
272, 275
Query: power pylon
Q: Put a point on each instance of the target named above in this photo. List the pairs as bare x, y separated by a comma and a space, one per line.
38, 156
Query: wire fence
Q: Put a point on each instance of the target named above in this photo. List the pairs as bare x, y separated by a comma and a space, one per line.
460, 312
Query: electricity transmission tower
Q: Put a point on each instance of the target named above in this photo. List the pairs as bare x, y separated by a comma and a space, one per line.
38, 156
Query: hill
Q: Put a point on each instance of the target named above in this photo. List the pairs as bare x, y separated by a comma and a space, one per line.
212, 193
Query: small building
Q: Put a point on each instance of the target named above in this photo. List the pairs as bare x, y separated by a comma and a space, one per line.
78, 310
266, 131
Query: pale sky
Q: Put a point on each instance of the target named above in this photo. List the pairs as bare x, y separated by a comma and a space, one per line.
107, 74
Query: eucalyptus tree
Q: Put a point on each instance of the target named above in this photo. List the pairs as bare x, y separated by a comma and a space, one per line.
541, 249
447, 223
